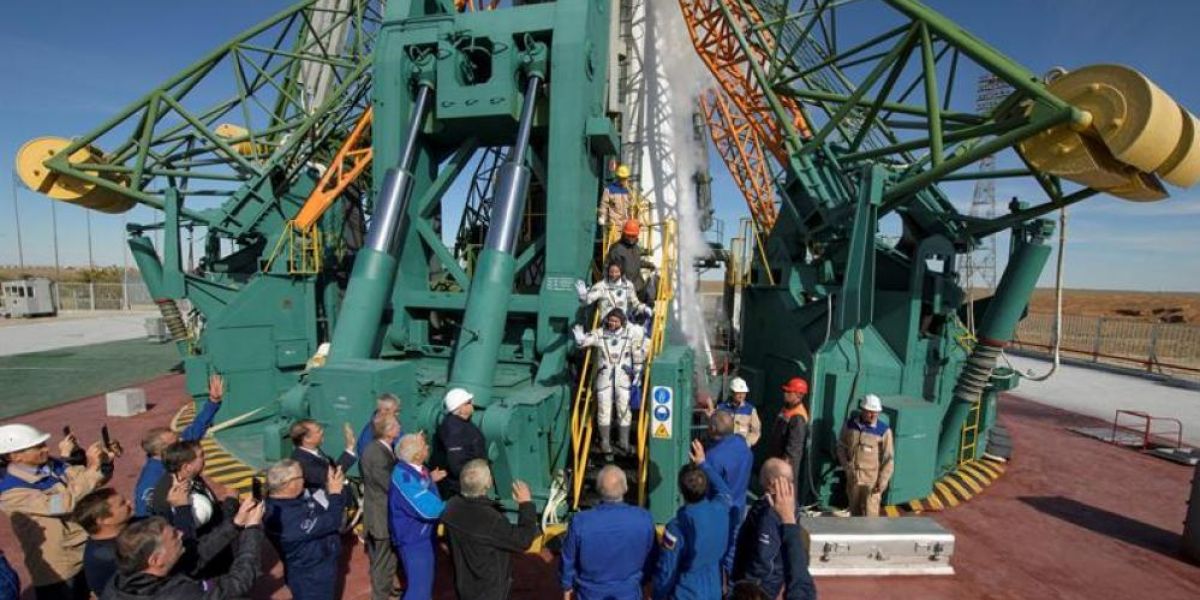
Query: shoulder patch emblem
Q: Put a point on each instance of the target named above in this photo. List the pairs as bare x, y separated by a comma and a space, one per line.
668, 540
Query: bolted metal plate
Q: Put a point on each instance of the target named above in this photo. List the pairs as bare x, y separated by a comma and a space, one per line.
850, 546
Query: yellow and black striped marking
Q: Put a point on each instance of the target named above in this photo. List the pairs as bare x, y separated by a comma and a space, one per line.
958, 486
219, 465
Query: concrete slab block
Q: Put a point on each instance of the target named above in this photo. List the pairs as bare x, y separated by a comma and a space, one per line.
126, 403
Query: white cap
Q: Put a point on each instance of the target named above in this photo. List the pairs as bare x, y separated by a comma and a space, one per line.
457, 397
738, 386
17, 437
871, 402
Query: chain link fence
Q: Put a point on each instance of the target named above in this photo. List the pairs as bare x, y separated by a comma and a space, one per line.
102, 296
1168, 348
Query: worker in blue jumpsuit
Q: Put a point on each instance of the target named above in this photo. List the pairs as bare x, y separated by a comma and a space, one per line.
305, 529
694, 542
730, 458
610, 548
157, 439
414, 508
763, 556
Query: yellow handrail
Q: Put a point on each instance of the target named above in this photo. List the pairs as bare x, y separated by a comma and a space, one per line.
581, 418
662, 303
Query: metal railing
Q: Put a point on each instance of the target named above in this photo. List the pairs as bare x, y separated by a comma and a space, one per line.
77, 295
1167, 348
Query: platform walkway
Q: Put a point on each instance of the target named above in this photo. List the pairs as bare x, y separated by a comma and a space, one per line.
20, 336
1098, 392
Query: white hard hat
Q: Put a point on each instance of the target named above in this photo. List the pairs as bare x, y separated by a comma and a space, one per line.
17, 437
871, 402
738, 386
202, 509
456, 398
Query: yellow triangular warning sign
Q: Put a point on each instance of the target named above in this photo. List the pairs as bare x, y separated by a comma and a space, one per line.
661, 431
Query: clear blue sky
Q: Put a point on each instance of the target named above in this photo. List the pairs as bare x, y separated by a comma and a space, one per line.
70, 65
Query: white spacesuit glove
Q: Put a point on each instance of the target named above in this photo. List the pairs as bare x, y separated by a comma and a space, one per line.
649, 312
581, 289
577, 331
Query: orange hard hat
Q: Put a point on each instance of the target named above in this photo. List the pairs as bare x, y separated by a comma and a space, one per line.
632, 227
796, 385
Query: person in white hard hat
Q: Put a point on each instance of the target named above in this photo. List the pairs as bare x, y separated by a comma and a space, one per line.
622, 351
866, 453
458, 439
38, 494
745, 417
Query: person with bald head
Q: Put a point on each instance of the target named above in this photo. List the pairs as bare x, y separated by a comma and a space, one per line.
762, 557
482, 541
608, 552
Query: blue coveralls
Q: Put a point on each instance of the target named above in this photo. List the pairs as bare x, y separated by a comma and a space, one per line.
414, 507
692, 549
731, 461
10, 584
152, 471
760, 555
309, 542
607, 552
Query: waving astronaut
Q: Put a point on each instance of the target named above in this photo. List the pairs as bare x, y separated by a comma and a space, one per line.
622, 351
614, 291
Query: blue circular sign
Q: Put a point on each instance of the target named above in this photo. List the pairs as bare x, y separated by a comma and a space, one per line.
662, 395
662, 413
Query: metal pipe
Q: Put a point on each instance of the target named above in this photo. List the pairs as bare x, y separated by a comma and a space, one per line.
375, 265
996, 330
383, 235
512, 181
478, 343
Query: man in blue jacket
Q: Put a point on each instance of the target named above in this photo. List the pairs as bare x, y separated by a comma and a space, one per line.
761, 556
158, 438
304, 527
414, 508
730, 456
609, 549
694, 542
730, 460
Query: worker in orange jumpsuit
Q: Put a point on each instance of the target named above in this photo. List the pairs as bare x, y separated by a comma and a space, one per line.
866, 452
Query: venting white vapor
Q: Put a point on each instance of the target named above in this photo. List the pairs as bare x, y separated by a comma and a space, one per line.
668, 82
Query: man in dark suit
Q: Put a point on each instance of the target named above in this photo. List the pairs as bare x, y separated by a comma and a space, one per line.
307, 436
378, 460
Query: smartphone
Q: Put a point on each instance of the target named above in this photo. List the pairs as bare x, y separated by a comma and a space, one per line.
104, 437
66, 430
256, 489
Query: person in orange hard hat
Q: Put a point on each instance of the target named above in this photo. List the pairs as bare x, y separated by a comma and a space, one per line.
865, 451
628, 254
789, 433
617, 204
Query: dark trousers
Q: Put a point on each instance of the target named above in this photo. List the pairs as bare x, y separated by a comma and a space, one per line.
383, 567
75, 588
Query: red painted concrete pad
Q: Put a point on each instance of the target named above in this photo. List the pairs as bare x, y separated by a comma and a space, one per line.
1071, 518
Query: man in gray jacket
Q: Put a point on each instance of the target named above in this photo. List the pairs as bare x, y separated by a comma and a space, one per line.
376, 464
